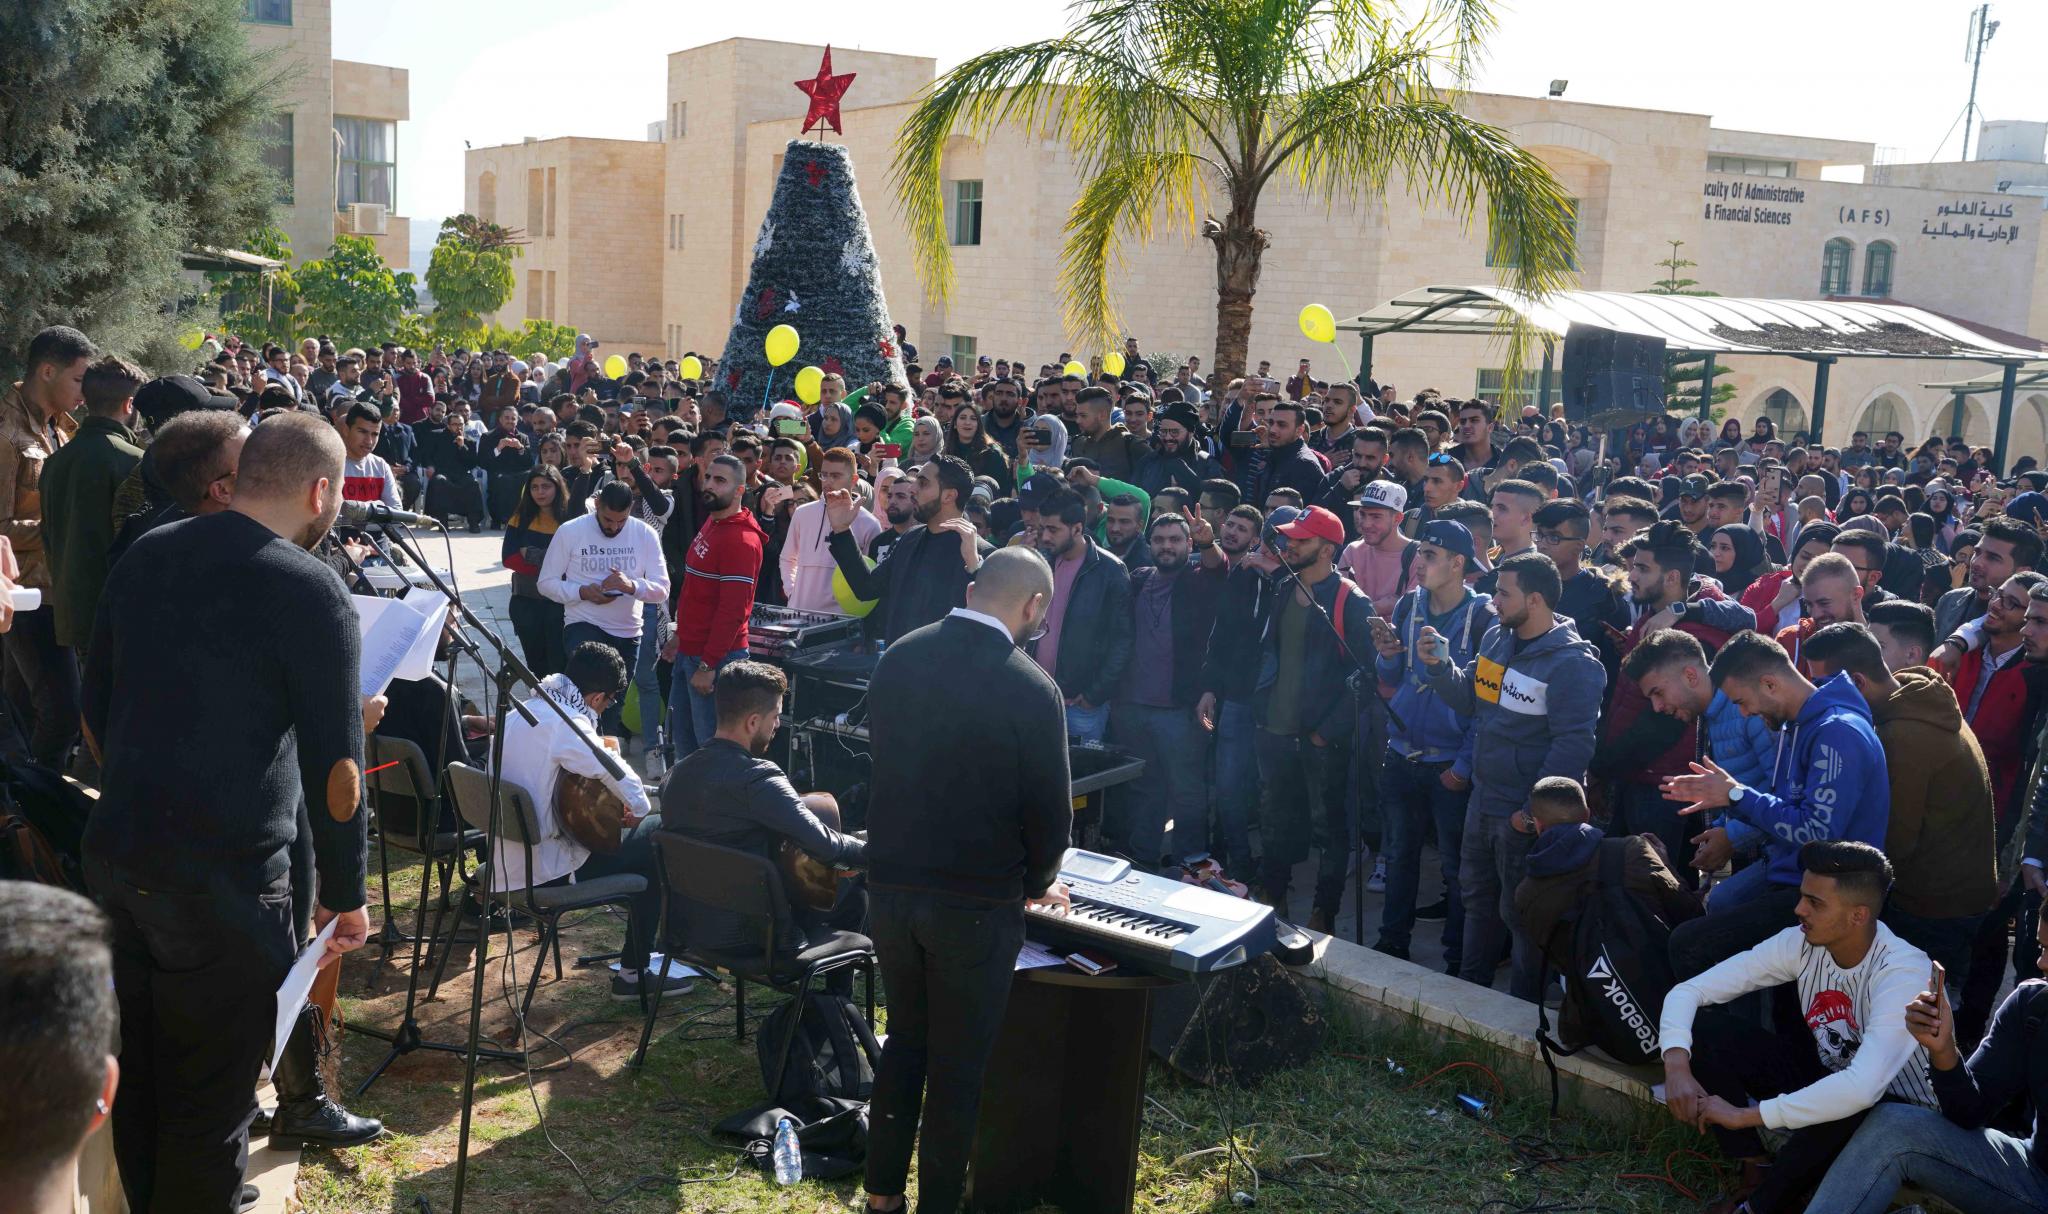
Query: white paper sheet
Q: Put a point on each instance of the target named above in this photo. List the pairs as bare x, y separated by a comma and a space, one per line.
1035, 957
399, 637
297, 985
675, 969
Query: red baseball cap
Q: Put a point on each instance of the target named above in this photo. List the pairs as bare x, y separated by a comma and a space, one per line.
1315, 523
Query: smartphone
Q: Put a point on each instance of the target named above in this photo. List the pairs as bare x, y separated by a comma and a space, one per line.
888, 451
789, 427
1382, 630
1029, 437
1244, 438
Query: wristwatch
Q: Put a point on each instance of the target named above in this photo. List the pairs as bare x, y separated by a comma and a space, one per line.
1735, 794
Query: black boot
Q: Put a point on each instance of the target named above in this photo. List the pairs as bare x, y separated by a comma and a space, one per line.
305, 1116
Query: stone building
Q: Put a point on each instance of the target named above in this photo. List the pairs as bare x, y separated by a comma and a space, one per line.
1754, 210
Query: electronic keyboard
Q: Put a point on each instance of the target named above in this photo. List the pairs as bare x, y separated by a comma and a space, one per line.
1151, 923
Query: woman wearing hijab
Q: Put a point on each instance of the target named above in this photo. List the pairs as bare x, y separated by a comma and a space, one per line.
1045, 446
927, 439
1855, 503
832, 426
1940, 505
1739, 558
1731, 436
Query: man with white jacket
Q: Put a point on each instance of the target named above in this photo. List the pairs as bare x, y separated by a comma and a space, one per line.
1854, 980
601, 566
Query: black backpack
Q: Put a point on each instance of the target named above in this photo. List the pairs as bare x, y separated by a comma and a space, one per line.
833, 1055
1616, 975
42, 826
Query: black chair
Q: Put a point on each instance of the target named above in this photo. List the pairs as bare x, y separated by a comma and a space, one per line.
406, 808
701, 875
470, 790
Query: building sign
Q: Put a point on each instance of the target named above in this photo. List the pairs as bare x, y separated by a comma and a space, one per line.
1972, 220
1745, 201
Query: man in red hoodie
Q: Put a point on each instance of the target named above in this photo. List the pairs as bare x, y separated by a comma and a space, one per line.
719, 573
1660, 567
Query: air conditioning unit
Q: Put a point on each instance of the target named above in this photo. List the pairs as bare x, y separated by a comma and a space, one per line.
369, 218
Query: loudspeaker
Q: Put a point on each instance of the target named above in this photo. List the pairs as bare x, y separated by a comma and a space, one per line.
1238, 1026
1612, 379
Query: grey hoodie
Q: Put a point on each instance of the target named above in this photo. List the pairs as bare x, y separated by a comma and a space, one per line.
1534, 712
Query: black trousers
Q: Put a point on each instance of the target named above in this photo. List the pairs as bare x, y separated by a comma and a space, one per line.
1736, 1061
2017, 911
538, 625
458, 494
195, 977
42, 682
946, 964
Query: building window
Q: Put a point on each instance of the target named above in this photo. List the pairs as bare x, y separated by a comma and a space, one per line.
1492, 385
1507, 254
1786, 413
1834, 266
536, 204
487, 197
276, 133
1749, 166
551, 294
551, 201
681, 126
369, 161
267, 12
675, 231
1877, 268
670, 131
966, 212
963, 353
534, 287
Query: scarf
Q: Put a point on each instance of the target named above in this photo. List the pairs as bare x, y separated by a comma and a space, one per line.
558, 688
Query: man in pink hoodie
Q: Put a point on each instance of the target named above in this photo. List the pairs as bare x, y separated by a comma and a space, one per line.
1373, 560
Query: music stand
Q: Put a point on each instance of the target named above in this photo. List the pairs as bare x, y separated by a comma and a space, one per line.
510, 673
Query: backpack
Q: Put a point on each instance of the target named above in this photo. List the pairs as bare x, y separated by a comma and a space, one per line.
832, 1056
42, 826
1616, 974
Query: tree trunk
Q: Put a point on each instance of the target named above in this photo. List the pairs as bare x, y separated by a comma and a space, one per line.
1240, 246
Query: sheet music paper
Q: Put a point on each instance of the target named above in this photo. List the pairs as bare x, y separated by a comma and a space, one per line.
297, 985
399, 637
1035, 957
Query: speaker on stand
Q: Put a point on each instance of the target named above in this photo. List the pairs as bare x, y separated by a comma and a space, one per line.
1612, 379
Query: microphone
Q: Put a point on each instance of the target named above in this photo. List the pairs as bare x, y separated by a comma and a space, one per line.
363, 513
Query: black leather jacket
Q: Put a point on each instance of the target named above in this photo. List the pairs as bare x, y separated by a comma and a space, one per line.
1095, 635
721, 794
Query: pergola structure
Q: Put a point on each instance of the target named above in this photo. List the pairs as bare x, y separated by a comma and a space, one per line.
2032, 375
1816, 331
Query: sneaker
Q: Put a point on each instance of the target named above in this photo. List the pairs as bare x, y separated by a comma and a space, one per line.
1377, 883
1397, 951
1436, 912
475, 528
627, 986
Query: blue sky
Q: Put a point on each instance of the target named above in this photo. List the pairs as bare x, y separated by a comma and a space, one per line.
1887, 71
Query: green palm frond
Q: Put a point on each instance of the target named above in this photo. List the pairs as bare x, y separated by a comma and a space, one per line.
1131, 199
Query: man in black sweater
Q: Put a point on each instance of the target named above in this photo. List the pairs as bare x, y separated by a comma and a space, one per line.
969, 817
221, 686
926, 572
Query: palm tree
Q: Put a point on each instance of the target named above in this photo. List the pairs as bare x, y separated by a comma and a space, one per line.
1168, 103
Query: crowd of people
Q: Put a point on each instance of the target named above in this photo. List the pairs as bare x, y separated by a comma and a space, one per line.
1341, 624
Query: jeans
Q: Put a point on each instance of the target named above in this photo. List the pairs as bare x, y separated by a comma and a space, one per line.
1745, 884
1236, 787
1733, 1060
1981, 1171
647, 674
1303, 810
1645, 811
1493, 858
1698, 945
1087, 724
693, 718
538, 625
1413, 804
626, 647
195, 978
42, 680
947, 963
1170, 789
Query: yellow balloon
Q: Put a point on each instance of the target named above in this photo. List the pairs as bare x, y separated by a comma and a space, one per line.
780, 345
691, 368
1317, 324
615, 367
1113, 363
808, 382
842, 594
192, 338
1073, 369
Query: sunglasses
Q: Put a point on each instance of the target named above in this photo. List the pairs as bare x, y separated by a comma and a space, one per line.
1439, 460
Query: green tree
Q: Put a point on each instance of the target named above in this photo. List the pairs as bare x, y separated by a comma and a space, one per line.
129, 133
1683, 375
260, 307
471, 273
1170, 105
351, 295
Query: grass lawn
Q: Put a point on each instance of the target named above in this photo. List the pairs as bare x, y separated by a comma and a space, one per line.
1345, 1133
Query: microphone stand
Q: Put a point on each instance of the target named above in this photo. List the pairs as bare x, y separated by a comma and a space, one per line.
510, 674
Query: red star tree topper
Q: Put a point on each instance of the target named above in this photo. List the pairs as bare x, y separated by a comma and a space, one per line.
824, 90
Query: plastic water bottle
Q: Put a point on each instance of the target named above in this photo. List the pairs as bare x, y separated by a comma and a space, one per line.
789, 1158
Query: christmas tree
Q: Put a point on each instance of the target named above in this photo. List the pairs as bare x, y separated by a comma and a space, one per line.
814, 269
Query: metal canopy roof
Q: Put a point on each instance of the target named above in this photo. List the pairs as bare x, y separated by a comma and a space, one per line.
229, 260
1702, 323
2030, 376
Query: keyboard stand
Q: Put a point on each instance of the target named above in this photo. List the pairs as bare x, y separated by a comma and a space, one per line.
1065, 1095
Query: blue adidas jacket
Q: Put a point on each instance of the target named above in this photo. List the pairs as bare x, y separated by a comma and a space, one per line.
1828, 781
1428, 728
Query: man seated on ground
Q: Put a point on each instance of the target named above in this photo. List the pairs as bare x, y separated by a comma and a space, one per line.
536, 756
1955, 1155
57, 1021
1854, 979
726, 793
1940, 836
1827, 781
